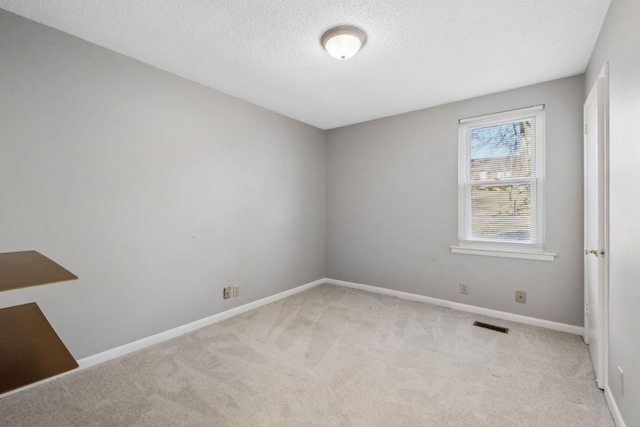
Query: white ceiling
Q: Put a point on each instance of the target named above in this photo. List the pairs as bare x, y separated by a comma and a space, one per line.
419, 53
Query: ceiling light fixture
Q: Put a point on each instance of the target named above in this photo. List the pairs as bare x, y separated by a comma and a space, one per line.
343, 42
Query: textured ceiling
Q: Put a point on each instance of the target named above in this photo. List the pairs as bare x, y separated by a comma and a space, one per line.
419, 53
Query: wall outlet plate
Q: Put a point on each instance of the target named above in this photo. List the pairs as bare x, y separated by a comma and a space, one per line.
464, 288
521, 297
226, 293
621, 380
236, 290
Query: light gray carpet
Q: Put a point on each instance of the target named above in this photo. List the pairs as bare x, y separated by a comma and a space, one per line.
333, 356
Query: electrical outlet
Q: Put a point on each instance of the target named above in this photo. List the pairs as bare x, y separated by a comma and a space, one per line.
464, 288
236, 291
226, 293
521, 297
621, 380
586, 310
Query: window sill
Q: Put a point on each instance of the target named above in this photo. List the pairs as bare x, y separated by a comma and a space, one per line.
536, 256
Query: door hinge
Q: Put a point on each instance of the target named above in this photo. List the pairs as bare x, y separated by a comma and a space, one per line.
585, 129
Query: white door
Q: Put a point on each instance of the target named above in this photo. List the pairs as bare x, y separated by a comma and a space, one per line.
594, 227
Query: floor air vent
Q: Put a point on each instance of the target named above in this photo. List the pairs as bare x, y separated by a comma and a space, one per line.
492, 327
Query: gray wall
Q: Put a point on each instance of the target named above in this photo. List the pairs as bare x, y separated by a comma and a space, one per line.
619, 44
392, 207
156, 191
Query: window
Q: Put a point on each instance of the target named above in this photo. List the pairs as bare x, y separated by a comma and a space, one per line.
501, 184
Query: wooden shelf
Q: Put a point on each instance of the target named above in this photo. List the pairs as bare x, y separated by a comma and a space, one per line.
31, 349
29, 268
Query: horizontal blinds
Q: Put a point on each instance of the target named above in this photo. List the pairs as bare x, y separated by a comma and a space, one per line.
500, 181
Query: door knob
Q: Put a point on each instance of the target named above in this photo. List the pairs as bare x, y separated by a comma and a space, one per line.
591, 251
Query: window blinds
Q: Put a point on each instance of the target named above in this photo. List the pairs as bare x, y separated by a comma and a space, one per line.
500, 183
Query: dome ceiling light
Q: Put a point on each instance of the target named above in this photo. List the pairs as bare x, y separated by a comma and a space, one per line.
343, 42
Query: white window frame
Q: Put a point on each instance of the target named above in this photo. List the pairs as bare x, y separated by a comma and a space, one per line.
487, 247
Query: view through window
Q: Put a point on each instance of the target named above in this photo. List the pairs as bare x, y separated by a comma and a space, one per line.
500, 178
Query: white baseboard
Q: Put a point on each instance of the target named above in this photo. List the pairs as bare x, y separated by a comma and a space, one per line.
181, 330
125, 349
577, 330
613, 407
189, 327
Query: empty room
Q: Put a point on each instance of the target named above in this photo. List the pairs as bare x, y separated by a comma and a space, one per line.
279, 212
